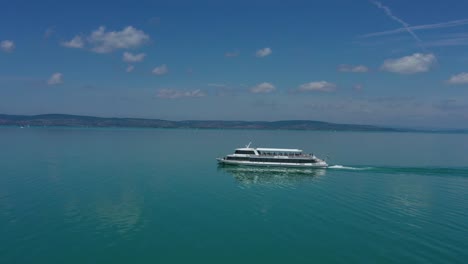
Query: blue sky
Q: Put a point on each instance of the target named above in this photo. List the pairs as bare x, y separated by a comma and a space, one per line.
399, 63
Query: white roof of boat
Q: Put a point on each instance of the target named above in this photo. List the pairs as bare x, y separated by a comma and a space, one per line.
245, 149
278, 150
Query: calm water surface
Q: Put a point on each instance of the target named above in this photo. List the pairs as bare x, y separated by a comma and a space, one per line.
158, 196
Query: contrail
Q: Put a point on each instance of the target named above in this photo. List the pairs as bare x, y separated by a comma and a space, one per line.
454, 23
389, 13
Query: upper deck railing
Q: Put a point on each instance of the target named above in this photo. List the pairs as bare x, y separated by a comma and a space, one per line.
279, 150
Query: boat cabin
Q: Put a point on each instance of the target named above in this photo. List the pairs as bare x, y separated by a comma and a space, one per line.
271, 152
246, 151
279, 152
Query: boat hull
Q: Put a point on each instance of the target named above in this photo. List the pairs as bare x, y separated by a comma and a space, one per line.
271, 164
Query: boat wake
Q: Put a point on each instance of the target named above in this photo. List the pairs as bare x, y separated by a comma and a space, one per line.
341, 167
458, 171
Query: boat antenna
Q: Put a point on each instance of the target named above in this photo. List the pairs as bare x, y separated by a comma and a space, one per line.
248, 145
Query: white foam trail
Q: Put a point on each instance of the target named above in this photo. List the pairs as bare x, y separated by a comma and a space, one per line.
341, 167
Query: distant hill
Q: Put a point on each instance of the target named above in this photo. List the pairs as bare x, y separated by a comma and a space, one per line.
91, 121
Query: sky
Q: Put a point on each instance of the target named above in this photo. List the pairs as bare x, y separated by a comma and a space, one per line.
389, 62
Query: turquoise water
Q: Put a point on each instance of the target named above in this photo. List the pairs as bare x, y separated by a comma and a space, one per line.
158, 196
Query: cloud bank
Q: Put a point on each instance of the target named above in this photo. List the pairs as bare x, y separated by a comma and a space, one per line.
352, 68
103, 41
263, 88
7, 45
412, 64
56, 78
129, 57
76, 42
263, 52
461, 78
321, 86
174, 93
160, 70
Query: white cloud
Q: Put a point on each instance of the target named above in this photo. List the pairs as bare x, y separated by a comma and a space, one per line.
130, 68
7, 45
107, 41
415, 63
352, 68
263, 88
56, 78
76, 42
321, 86
263, 52
161, 70
129, 57
461, 78
173, 93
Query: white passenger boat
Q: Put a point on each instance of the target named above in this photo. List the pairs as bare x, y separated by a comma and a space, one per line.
272, 157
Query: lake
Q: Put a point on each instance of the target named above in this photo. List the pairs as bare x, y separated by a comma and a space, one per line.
89, 195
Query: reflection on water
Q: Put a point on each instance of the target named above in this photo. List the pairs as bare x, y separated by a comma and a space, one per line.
271, 175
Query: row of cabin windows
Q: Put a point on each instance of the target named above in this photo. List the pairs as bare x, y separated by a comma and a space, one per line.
271, 160
238, 158
283, 160
249, 152
293, 154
